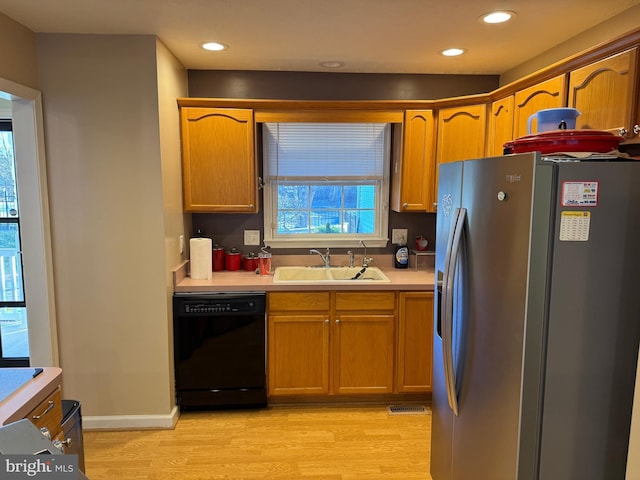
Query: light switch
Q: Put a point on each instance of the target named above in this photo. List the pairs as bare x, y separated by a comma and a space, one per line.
252, 237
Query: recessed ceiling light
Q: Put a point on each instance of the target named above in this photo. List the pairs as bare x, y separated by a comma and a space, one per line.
452, 52
497, 17
332, 64
214, 46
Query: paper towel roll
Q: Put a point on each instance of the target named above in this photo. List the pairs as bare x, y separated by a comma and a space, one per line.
200, 258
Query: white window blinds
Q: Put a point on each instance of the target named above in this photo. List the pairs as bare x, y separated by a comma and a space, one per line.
324, 150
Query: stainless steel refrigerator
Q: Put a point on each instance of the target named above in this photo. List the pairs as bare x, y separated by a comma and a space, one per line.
537, 318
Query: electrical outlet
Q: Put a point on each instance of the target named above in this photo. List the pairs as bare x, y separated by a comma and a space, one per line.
399, 236
181, 244
252, 237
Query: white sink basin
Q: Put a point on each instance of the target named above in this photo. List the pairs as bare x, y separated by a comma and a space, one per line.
328, 275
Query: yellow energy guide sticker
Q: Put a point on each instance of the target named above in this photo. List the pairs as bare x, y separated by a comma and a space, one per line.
574, 226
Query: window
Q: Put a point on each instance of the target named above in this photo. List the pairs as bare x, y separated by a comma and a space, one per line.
326, 184
14, 340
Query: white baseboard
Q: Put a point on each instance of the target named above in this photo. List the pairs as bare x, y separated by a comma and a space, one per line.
131, 422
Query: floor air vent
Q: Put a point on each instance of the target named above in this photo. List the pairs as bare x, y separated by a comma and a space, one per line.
408, 410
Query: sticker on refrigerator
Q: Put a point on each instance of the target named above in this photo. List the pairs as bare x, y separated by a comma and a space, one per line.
574, 226
580, 194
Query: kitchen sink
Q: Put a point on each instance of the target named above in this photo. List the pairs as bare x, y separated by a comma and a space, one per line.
328, 275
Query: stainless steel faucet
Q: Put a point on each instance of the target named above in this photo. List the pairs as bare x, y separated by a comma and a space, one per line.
326, 258
365, 259
351, 258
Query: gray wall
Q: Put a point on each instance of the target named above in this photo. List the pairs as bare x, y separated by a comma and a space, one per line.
104, 153
335, 86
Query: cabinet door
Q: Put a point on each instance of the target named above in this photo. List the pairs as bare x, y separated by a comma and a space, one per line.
461, 133
218, 160
551, 93
413, 183
415, 342
298, 354
604, 93
362, 353
500, 125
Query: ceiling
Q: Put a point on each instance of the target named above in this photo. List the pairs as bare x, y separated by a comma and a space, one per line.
369, 36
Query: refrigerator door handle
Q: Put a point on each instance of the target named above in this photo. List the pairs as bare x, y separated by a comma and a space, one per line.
453, 254
446, 310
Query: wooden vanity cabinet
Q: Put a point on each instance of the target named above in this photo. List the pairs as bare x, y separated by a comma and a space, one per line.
413, 186
219, 171
415, 342
550, 93
606, 92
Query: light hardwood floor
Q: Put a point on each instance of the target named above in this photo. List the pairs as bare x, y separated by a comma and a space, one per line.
310, 442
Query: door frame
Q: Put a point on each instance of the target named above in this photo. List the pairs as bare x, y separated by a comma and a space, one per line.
31, 172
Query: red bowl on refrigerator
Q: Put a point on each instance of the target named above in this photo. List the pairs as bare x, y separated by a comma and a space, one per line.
597, 141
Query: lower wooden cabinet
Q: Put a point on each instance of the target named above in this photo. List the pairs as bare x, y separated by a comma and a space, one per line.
348, 343
363, 342
298, 343
47, 416
415, 341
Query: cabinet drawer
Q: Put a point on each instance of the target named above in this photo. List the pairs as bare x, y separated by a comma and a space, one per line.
366, 301
298, 301
48, 414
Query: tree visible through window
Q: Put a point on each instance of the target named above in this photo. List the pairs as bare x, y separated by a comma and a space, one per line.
14, 340
325, 182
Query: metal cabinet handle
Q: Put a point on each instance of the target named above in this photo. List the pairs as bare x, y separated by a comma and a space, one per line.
67, 442
337, 321
405, 205
326, 321
623, 132
49, 408
636, 129
251, 205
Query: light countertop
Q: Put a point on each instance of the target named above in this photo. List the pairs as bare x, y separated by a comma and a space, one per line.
22, 399
401, 279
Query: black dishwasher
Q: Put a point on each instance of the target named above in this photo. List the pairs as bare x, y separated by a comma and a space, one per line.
219, 350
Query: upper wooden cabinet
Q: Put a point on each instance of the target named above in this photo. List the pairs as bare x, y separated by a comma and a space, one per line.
548, 94
413, 180
605, 92
218, 160
461, 133
500, 125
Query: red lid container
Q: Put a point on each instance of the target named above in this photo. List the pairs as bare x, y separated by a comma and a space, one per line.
557, 141
232, 259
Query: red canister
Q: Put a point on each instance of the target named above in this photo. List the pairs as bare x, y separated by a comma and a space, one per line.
250, 262
232, 259
217, 256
